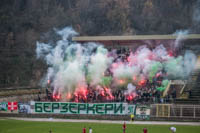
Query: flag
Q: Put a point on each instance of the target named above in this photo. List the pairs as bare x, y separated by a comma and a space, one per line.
12, 105
3, 106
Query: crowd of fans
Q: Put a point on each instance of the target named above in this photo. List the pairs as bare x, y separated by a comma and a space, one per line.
143, 94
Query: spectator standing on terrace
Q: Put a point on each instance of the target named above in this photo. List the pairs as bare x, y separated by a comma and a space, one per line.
90, 130
174, 94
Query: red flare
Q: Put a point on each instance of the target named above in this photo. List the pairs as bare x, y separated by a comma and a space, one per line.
170, 53
114, 65
131, 96
81, 92
58, 97
151, 56
102, 93
75, 94
121, 81
158, 74
68, 96
109, 94
48, 81
129, 59
142, 82
134, 78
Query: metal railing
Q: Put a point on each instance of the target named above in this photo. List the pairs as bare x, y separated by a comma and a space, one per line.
175, 111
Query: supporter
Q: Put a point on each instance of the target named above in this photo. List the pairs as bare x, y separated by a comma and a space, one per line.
174, 94
146, 94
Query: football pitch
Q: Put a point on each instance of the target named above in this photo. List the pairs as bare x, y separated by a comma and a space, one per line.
20, 126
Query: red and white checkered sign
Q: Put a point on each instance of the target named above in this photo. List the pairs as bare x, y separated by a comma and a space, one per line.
12, 105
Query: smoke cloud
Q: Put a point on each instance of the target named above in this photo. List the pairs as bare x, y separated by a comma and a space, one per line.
75, 69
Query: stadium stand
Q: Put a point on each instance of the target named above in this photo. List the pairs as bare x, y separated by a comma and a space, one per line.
21, 94
191, 93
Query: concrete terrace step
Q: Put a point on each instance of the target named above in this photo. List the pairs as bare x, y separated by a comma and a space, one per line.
188, 101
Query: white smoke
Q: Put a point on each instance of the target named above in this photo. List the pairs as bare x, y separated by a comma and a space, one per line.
69, 62
145, 62
66, 33
181, 35
99, 64
72, 65
189, 62
42, 49
160, 53
124, 71
130, 89
180, 67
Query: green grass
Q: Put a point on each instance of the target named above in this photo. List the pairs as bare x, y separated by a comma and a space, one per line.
17, 126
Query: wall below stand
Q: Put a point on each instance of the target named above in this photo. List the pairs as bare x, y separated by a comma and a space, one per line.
97, 117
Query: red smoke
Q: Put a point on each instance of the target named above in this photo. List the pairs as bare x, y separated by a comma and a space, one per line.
142, 82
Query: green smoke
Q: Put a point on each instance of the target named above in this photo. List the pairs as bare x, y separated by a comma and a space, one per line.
163, 86
88, 78
174, 67
155, 67
106, 81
